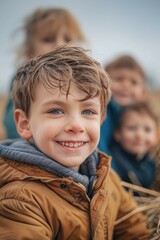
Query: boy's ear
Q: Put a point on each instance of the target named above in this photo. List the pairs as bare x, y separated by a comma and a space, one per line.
117, 136
22, 124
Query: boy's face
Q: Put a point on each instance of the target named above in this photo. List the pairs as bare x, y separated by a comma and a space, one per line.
127, 86
66, 130
45, 40
138, 133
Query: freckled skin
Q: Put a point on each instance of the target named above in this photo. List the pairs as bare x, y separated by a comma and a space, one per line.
66, 130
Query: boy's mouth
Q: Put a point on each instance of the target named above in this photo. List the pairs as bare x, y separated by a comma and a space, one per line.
71, 144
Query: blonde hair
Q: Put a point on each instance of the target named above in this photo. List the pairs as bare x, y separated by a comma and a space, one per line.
51, 20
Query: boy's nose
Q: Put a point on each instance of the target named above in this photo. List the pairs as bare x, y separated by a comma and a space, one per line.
60, 42
139, 133
75, 125
126, 84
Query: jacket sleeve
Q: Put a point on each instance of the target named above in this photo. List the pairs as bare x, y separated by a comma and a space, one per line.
23, 212
130, 223
21, 220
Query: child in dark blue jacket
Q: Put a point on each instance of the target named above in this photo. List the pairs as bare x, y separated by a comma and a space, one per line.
135, 136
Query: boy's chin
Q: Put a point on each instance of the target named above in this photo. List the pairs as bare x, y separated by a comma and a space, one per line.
140, 154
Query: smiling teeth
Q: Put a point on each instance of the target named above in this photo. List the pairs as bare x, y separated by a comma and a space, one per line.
73, 145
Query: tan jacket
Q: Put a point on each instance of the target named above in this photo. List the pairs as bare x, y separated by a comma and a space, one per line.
38, 205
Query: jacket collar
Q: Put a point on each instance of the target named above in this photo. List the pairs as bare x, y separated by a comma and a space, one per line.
21, 152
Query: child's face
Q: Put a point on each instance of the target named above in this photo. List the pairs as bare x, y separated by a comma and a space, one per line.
66, 130
138, 133
45, 41
127, 86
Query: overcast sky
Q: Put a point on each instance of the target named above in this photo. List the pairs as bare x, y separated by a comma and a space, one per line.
113, 27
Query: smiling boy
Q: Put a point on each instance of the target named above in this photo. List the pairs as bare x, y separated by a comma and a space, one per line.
54, 183
66, 130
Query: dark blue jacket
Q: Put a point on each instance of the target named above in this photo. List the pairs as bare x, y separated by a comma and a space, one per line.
131, 169
8, 120
108, 126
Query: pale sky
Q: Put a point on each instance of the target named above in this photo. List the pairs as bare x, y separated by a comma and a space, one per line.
113, 27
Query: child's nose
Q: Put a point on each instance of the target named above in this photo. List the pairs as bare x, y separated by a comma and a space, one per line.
126, 84
60, 42
75, 125
140, 133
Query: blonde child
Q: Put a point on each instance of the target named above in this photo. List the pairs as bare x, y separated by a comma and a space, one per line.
54, 183
135, 136
44, 29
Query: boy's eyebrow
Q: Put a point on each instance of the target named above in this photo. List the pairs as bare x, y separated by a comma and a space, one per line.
89, 102
55, 102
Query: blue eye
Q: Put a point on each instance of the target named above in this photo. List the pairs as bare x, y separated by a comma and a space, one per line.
56, 111
88, 112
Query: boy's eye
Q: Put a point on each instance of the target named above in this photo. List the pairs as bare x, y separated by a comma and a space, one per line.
88, 112
147, 129
56, 111
131, 128
48, 39
117, 79
134, 82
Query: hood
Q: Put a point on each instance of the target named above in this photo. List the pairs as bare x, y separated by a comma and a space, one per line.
23, 153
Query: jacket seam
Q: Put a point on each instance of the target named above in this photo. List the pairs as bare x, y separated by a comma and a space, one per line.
20, 200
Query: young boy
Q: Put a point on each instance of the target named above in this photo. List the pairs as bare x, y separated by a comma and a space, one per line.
128, 87
136, 134
54, 183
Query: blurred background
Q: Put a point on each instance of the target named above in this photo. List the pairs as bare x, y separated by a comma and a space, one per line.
112, 28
